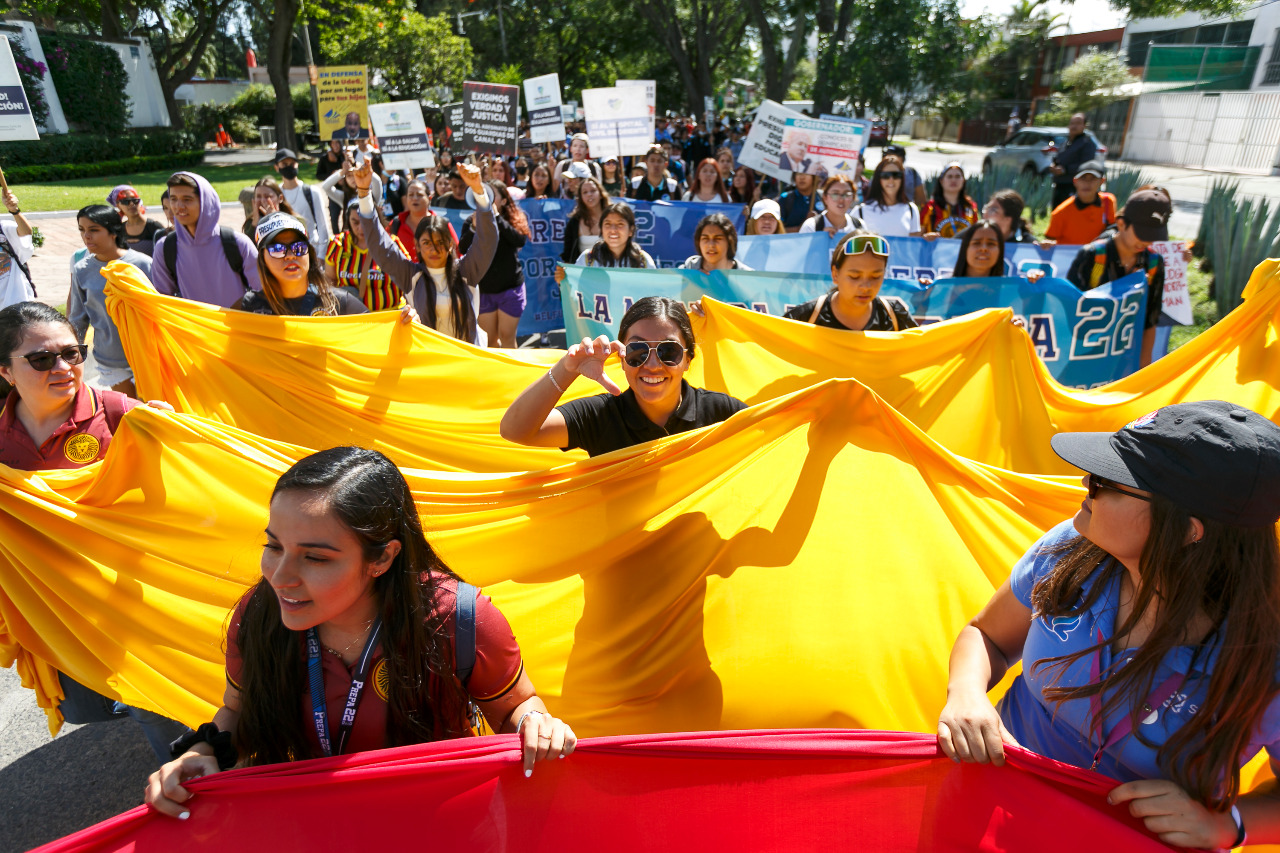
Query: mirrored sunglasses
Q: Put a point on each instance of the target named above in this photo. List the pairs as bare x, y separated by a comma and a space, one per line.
45, 360
859, 243
280, 250
670, 353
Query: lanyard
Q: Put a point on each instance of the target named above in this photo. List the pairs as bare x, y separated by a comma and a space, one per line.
316, 672
1162, 692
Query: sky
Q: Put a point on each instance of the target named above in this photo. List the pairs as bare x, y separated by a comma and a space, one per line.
1083, 16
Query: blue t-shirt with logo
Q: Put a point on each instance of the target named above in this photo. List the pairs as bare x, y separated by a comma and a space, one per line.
1061, 731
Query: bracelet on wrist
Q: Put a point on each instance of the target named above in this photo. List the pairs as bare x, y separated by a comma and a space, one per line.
520, 724
223, 749
552, 377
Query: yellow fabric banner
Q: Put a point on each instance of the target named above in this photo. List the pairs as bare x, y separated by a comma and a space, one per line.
974, 384
806, 563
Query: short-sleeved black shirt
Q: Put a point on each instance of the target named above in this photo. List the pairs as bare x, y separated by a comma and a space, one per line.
880, 320
604, 422
307, 305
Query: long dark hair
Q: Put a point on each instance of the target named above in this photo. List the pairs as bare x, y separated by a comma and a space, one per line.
15, 318
963, 203
747, 195
632, 256
530, 192
695, 182
369, 496
875, 192
1232, 575
510, 211
108, 217
725, 224
580, 211
315, 278
464, 318
660, 306
966, 237
1012, 204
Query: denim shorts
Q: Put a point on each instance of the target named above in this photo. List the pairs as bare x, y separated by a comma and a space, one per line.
510, 302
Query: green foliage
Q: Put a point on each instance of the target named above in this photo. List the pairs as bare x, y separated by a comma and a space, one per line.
510, 74
1122, 180
1236, 235
31, 73
90, 79
242, 116
95, 147
411, 54
1005, 66
68, 171
1089, 83
802, 83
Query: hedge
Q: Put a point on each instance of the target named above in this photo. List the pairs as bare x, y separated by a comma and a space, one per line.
127, 166
246, 112
90, 79
82, 148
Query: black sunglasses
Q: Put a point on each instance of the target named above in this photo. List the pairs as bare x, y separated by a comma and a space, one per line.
893, 176
45, 360
130, 201
1101, 484
669, 352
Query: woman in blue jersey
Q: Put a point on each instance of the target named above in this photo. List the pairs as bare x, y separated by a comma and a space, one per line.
1148, 627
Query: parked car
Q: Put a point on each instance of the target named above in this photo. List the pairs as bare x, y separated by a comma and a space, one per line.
879, 132
1032, 150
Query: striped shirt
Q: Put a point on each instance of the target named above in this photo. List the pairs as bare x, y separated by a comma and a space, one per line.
378, 292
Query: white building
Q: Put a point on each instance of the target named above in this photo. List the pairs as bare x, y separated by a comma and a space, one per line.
1257, 27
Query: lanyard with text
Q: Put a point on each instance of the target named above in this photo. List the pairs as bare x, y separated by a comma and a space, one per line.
1162, 692
316, 672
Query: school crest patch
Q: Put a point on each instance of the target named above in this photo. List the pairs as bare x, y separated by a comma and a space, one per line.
81, 448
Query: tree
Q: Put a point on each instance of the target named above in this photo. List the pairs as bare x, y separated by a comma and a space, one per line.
1005, 68
280, 16
408, 55
1092, 81
779, 63
699, 35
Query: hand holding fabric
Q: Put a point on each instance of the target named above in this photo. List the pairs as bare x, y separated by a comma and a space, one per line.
1171, 813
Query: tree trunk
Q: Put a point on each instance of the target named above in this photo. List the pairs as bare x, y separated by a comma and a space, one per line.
279, 54
829, 59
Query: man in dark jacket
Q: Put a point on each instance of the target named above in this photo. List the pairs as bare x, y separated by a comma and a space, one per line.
1080, 149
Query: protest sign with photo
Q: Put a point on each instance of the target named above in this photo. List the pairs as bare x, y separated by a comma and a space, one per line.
618, 120
1177, 298
863, 122
546, 115
403, 137
650, 95
783, 141
343, 94
454, 133
489, 117
16, 121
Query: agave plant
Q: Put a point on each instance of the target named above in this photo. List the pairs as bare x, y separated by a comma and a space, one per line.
1239, 233
1123, 180
1036, 190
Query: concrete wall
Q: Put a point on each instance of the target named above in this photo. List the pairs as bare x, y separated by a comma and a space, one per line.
1231, 131
209, 91
25, 34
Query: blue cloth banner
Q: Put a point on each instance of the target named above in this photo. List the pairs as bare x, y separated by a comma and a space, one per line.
663, 229
909, 257
1086, 339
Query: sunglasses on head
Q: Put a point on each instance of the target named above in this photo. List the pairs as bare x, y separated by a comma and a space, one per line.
45, 360
859, 243
280, 250
1101, 484
670, 353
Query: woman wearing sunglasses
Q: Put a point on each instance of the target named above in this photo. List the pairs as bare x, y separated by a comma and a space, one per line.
52, 419
140, 233
886, 209
854, 302
655, 341
1148, 627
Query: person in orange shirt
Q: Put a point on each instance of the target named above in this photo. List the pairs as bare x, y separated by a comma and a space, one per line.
1081, 218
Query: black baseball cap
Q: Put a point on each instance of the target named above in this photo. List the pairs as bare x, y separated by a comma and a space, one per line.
284, 154
1214, 459
1148, 213
896, 150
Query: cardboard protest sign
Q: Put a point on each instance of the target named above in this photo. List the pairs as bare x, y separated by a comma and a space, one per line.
343, 94
864, 122
546, 114
454, 132
1177, 297
650, 95
403, 137
783, 141
489, 117
618, 120
16, 120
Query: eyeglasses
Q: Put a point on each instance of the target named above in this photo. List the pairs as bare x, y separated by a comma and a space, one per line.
859, 243
669, 352
839, 195
129, 201
280, 250
890, 176
45, 360
1101, 484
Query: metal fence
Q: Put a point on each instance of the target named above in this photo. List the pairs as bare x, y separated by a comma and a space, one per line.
1236, 130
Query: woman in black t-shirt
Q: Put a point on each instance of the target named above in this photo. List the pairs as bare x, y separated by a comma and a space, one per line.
293, 279
656, 344
854, 302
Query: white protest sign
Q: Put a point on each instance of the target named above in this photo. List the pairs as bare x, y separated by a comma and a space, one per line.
783, 141
546, 113
403, 138
617, 120
1177, 297
650, 94
16, 121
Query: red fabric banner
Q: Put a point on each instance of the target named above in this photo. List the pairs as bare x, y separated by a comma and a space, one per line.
766, 790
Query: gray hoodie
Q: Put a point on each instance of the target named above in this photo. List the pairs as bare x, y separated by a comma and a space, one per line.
202, 266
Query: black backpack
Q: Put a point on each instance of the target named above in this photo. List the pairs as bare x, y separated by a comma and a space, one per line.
230, 249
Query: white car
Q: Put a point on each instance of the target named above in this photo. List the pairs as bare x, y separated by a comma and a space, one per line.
1032, 150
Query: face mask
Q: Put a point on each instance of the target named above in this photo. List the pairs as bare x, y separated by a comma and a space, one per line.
288, 172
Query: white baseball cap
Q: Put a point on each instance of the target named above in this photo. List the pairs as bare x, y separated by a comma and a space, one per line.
766, 206
276, 223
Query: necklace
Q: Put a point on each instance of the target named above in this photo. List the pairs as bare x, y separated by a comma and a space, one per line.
359, 639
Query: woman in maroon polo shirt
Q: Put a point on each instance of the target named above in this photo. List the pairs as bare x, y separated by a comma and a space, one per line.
357, 637
51, 419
